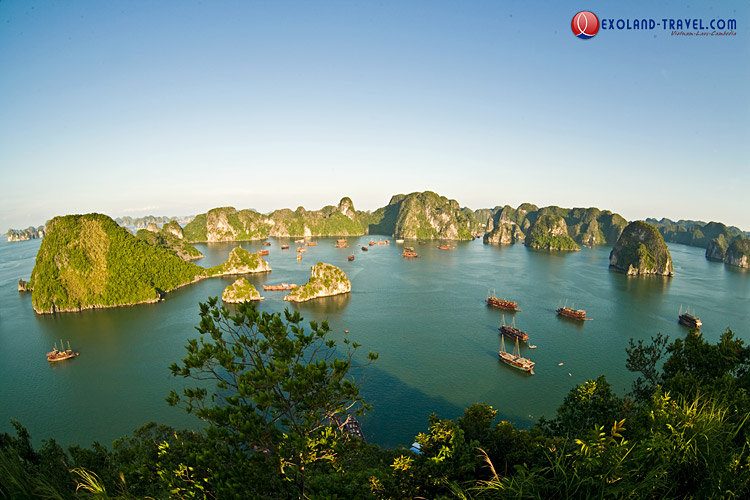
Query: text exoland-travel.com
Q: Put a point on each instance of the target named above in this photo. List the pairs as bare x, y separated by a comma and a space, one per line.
668, 24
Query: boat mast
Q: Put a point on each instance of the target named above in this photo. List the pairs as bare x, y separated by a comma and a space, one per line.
502, 342
517, 350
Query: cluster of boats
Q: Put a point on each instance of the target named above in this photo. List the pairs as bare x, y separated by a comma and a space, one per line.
515, 359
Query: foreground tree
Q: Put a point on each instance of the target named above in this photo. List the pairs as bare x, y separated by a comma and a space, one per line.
278, 391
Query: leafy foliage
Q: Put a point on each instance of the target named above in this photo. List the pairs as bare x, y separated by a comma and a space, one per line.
278, 390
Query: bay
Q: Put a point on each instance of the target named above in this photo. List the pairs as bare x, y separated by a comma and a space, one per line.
426, 317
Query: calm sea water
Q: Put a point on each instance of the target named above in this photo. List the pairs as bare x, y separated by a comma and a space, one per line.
427, 319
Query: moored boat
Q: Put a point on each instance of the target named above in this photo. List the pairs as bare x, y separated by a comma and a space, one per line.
364, 249
446, 247
62, 354
512, 331
266, 243
508, 305
410, 253
515, 360
285, 247
262, 252
569, 312
690, 320
351, 257
282, 286
311, 244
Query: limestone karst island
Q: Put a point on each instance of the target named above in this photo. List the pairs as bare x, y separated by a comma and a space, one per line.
89, 261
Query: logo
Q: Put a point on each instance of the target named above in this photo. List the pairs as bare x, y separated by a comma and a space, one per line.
585, 24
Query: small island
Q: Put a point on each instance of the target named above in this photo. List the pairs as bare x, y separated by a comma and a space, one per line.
240, 291
30, 233
240, 261
641, 250
325, 280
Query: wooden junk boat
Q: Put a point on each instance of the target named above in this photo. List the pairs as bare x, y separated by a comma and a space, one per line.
262, 252
266, 243
690, 320
62, 354
508, 305
571, 313
515, 360
512, 331
351, 257
285, 247
410, 253
364, 249
311, 244
283, 286
341, 244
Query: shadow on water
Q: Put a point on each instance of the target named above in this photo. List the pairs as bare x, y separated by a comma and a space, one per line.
399, 411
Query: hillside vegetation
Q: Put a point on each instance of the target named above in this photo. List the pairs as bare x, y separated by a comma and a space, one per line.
88, 261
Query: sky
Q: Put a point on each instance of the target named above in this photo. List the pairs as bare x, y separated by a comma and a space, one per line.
177, 107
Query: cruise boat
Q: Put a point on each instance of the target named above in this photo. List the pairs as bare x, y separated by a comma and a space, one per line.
515, 360
690, 320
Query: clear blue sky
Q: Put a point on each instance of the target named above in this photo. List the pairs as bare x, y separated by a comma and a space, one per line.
176, 107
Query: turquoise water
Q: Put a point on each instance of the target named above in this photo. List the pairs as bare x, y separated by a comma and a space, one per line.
426, 318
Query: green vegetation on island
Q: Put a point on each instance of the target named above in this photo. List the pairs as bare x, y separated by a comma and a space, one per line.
585, 226
641, 250
229, 224
88, 261
695, 233
738, 253
425, 216
170, 239
240, 261
550, 232
273, 415
240, 291
325, 280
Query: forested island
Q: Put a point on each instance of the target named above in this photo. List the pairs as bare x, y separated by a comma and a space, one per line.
277, 416
88, 261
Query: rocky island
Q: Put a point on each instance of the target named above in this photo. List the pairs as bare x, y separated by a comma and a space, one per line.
30, 233
171, 238
240, 291
240, 261
738, 253
230, 224
88, 261
641, 250
424, 216
550, 232
325, 280
584, 226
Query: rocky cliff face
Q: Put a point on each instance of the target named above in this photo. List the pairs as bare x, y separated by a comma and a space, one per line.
229, 224
549, 232
240, 261
503, 233
174, 228
30, 233
641, 250
428, 216
240, 291
738, 253
325, 280
694, 233
585, 226
717, 249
